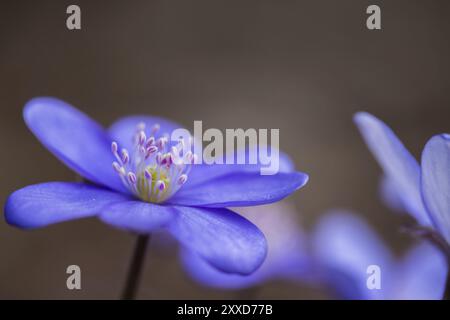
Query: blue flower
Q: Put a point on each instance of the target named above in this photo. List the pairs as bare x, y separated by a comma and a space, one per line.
287, 257
139, 184
345, 246
422, 190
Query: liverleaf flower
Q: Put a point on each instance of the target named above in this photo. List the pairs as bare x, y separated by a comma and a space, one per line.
139, 181
423, 190
345, 246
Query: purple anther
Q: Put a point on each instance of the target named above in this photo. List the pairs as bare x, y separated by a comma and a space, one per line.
125, 156
114, 147
182, 179
160, 185
132, 178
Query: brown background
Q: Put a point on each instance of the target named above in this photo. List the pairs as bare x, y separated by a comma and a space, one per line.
302, 66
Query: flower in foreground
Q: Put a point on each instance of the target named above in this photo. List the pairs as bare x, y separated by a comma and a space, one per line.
287, 257
139, 183
344, 246
422, 190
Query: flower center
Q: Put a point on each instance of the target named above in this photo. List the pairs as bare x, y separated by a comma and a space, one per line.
153, 172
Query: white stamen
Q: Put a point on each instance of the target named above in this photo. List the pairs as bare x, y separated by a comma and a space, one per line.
114, 147
118, 168
159, 158
132, 178
152, 172
161, 143
141, 138
182, 179
140, 126
150, 142
155, 128
148, 175
125, 156
160, 185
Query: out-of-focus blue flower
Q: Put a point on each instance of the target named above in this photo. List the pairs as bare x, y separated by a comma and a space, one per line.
141, 185
422, 190
287, 256
345, 246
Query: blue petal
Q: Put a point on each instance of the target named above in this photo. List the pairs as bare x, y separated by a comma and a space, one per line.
137, 216
123, 130
422, 274
293, 268
398, 164
389, 195
287, 256
47, 203
345, 246
226, 240
204, 172
240, 189
202, 272
436, 182
74, 138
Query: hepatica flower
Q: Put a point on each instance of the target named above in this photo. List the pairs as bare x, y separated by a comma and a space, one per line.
422, 190
346, 249
287, 257
140, 182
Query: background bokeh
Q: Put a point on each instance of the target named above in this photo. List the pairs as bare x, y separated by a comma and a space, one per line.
302, 66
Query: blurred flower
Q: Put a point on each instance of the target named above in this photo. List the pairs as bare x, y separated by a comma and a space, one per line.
345, 246
147, 187
287, 256
422, 190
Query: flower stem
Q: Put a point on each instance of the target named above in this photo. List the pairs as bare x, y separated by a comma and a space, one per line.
134, 271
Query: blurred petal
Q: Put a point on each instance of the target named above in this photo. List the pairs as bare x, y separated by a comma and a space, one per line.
137, 216
288, 255
47, 203
389, 195
286, 258
422, 274
398, 164
226, 240
240, 189
346, 246
74, 138
436, 182
123, 130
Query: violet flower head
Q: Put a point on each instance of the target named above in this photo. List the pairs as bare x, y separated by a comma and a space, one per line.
422, 190
140, 183
345, 246
287, 257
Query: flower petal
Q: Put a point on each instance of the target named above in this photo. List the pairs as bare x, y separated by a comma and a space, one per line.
47, 203
123, 130
346, 246
436, 182
74, 138
389, 194
398, 164
202, 272
137, 216
226, 240
240, 189
287, 256
422, 274
204, 172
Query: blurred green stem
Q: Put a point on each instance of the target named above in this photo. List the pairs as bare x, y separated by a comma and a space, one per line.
135, 269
